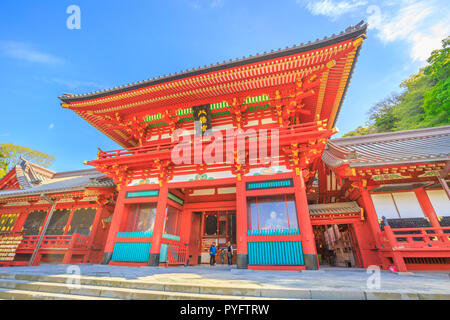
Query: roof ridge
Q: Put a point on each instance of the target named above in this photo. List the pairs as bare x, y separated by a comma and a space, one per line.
75, 173
361, 26
22, 178
35, 165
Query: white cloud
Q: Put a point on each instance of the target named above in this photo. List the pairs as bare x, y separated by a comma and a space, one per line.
23, 51
5, 135
424, 43
420, 23
198, 4
331, 8
216, 3
51, 126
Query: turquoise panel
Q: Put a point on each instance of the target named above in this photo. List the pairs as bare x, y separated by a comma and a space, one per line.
273, 184
273, 232
141, 194
163, 252
275, 253
134, 234
170, 236
131, 252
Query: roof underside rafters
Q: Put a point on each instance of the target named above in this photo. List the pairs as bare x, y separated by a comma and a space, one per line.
242, 79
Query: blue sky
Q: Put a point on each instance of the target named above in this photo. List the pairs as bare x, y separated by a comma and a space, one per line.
127, 41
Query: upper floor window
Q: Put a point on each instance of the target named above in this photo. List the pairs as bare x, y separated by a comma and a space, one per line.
141, 217
397, 205
272, 212
440, 202
173, 221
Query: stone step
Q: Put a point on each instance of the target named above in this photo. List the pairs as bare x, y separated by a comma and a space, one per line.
14, 294
144, 288
255, 291
106, 292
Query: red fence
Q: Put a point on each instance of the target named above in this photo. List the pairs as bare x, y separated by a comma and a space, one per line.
176, 254
76, 241
418, 237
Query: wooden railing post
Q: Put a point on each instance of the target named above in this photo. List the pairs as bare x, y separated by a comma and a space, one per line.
390, 236
69, 252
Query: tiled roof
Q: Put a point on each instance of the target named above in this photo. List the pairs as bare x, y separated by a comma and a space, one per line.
332, 208
392, 148
349, 33
58, 182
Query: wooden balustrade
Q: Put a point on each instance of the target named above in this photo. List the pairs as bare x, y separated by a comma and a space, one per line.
176, 254
417, 237
76, 241
163, 147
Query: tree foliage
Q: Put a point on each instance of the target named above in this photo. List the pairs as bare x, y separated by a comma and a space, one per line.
10, 155
437, 100
425, 101
3, 164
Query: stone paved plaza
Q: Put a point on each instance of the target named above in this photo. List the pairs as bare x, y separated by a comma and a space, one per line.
330, 279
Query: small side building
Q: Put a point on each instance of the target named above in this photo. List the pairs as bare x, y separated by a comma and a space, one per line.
64, 215
400, 179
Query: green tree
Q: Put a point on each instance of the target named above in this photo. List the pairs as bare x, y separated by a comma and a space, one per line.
424, 102
3, 164
360, 131
382, 115
437, 100
10, 155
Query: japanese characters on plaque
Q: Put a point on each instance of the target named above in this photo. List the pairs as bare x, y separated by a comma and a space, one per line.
202, 118
8, 247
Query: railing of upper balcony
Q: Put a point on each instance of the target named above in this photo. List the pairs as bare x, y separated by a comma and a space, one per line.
75, 241
286, 135
416, 237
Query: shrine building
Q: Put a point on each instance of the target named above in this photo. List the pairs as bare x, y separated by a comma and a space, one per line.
166, 211
53, 217
239, 153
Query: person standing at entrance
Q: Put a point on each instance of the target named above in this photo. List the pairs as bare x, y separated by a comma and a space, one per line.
230, 253
212, 254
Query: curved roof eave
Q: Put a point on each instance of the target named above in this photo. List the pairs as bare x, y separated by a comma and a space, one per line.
349, 33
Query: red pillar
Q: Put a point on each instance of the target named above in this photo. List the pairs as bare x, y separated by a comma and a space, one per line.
115, 226
445, 185
241, 226
397, 257
371, 215
20, 222
69, 221
372, 219
95, 225
158, 226
304, 222
427, 207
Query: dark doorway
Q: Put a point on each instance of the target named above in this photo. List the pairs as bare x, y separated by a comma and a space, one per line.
335, 244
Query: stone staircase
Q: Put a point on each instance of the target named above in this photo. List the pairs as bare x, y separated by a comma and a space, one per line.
29, 286
65, 287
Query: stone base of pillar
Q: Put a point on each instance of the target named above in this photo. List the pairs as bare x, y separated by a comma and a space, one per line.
242, 261
311, 262
106, 257
153, 259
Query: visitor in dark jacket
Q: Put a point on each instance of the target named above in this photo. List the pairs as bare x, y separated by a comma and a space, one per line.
212, 254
